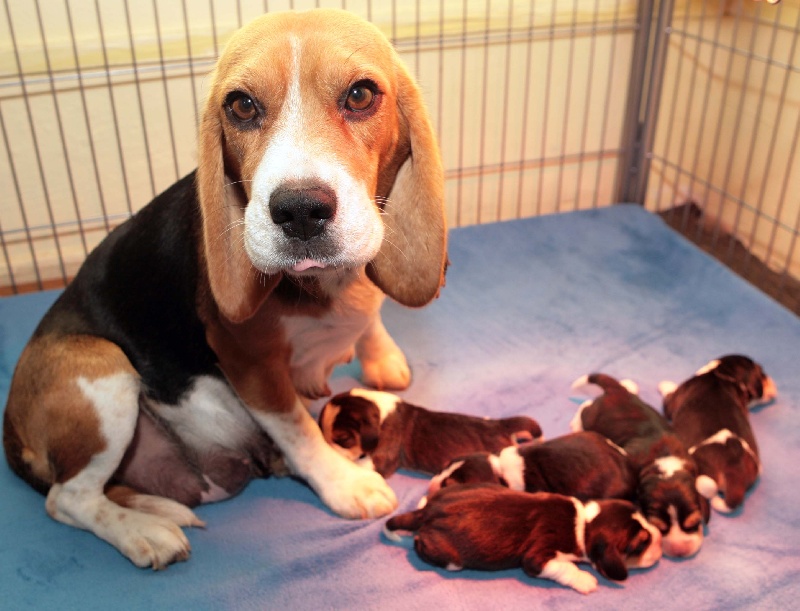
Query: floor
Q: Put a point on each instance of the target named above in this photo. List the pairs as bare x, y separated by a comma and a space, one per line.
688, 220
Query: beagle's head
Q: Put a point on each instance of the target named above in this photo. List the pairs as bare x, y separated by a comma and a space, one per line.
316, 155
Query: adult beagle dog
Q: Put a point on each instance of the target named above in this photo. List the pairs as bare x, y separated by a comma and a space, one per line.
179, 362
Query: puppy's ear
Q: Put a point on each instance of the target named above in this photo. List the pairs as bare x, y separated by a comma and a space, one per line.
370, 429
411, 263
238, 288
605, 557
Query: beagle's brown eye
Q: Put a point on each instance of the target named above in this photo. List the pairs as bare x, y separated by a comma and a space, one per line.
242, 107
360, 97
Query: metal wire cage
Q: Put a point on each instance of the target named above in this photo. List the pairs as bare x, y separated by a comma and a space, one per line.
541, 106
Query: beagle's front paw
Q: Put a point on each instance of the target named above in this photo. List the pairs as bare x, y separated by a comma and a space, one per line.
389, 371
354, 492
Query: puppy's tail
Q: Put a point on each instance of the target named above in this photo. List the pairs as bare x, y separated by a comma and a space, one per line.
606, 383
409, 522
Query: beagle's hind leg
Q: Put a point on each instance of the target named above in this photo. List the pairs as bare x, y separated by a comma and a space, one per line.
75, 422
155, 505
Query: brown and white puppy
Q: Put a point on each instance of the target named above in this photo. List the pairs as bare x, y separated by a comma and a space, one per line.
585, 465
667, 475
489, 527
198, 331
380, 430
709, 413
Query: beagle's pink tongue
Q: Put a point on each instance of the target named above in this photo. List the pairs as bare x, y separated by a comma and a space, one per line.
305, 264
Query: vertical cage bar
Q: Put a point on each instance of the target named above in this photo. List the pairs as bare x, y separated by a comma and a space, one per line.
23, 214
38, 154
526, 105
718, 130
504, 129
587, 104
647, 76
88, 127
164, 82
546, 113
631, 131
607, 104
113, 105
139, 97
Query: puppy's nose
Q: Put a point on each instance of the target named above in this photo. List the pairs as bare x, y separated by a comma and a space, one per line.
302, 212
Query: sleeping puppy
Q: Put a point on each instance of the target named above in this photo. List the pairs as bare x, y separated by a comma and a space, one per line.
585, 465
489, 527
381, 430
709, 413
667, 475
198, 331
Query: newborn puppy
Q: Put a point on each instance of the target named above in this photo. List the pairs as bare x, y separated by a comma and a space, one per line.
585, 465
489, 527
709, 413
382, 428
667, 474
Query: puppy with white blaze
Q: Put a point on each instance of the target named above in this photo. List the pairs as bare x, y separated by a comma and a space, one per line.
667, 475
489, 527
179, 363
380, 430
585, 465
710, 414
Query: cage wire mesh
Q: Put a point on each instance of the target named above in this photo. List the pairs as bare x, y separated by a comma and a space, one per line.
540, 106
725, 144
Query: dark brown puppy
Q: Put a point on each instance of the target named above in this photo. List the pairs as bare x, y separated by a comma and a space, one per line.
489, 527
585, 465
667, 474
709, 413
393, 434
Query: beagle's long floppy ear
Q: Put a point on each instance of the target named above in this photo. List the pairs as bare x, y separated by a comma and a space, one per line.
238, 288
411, 263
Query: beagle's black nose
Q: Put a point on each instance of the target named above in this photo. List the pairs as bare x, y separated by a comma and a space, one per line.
302, 212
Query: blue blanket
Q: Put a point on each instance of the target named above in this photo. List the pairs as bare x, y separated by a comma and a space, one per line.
529, 306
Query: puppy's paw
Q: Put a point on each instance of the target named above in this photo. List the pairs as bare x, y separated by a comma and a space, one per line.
629, 385
357, 493
568, 574
576, 424
389, 371
666, 388
584, 582
719, 504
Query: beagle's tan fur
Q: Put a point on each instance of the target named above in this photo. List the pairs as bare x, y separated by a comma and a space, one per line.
179, 362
